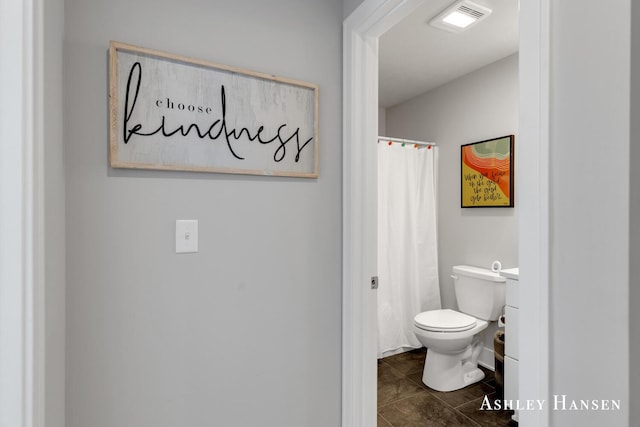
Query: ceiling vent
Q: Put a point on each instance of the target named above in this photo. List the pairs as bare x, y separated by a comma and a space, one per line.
460, 16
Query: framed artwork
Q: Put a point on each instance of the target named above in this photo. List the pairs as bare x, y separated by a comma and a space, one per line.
487, 173
169, 112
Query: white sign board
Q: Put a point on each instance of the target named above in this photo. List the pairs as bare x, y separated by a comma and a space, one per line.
175, 113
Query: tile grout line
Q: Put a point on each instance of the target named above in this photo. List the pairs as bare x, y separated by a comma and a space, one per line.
475, 423
386, 420
470, 419
409, 396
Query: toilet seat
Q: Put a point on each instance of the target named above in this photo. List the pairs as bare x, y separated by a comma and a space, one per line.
444, 321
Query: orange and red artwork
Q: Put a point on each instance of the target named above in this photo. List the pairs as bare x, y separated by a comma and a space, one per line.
487, 173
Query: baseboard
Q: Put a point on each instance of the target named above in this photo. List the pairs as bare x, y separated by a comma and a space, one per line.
396, 351
487, 358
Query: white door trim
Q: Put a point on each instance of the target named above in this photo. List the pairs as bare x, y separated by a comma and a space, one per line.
360, 111
532, 168
360, 116
21, 214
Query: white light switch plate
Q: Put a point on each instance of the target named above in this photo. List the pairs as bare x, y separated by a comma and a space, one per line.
186, 236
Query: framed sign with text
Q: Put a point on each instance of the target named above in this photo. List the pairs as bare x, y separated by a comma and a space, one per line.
170, 112
487, 173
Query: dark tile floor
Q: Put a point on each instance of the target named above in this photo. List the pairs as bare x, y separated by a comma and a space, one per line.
404, 401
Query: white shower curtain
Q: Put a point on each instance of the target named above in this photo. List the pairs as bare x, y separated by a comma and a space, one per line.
407, 242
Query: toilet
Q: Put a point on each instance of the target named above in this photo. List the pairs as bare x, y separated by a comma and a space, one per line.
454, 338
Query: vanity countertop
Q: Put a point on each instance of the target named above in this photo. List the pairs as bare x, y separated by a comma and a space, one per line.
511, 273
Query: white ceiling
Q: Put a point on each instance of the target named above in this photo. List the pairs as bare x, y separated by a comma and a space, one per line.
416, 57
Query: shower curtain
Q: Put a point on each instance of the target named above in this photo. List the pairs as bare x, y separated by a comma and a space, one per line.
407, 242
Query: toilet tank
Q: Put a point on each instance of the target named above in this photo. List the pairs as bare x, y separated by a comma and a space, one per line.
480, 292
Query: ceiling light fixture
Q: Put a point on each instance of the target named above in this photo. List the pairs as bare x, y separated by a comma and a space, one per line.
460, 16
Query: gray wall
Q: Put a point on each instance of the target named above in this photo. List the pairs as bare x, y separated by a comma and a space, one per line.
589, 181
247, 331
350, 6
382, 121
634, 254
475, 107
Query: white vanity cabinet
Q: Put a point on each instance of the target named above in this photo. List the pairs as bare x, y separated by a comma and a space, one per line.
511, 339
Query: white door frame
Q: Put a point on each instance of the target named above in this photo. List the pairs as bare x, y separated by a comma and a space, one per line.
21, 214
360, 117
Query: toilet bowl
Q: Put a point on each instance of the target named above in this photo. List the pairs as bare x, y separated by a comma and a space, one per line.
452, 352
454, 338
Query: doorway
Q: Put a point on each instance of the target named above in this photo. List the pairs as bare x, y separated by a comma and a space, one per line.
361, 32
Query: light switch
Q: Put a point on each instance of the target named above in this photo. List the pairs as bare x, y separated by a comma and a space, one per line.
186, 236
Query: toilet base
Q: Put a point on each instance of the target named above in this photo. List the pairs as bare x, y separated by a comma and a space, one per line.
449, 372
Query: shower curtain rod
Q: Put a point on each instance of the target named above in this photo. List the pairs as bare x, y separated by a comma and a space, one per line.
406, 141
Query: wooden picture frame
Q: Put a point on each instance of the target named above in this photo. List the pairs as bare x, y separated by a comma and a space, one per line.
486, 173
170, 112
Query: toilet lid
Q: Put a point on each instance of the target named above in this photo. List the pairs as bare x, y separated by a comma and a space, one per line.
444, 321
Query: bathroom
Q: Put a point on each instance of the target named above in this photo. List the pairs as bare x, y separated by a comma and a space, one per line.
472, 105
